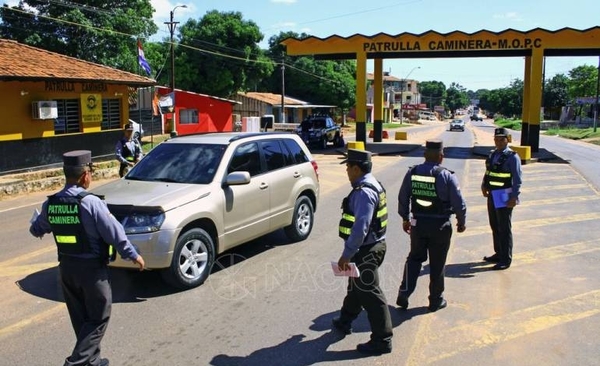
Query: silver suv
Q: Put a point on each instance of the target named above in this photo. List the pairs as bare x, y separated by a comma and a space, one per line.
193, 197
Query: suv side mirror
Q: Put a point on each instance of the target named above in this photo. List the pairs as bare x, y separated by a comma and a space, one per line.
237, 178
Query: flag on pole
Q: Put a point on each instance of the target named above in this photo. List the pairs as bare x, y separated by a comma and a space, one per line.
142, 60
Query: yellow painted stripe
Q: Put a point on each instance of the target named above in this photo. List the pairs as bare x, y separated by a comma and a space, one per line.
24, 270
550, 201
27, 257
557, 252
488, 332
36, 319
529, 224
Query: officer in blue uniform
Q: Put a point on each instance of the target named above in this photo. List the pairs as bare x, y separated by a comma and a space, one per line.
363, 226
83, 228
429, 195
128, 150
502, 171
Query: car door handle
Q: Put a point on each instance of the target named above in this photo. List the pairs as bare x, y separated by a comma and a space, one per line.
263, 186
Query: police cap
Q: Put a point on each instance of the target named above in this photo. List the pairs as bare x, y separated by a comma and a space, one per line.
77, 158
434, 145
357, 156
500, 132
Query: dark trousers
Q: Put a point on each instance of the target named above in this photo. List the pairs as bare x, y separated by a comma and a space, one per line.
87, 292
430, 236
123, 169
364, 293
500, 222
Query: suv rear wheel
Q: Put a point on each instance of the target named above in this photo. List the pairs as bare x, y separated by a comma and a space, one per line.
192, 261
302, 221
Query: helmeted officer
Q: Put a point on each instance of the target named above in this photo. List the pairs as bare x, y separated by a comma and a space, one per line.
502, 172
429, 195
84, 231
363, 226
128, 150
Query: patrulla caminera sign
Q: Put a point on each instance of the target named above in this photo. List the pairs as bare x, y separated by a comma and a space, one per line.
91, 107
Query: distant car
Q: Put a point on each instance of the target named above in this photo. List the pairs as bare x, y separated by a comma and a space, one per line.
457, 124
193, 197
476, 117
319, 130
138, 130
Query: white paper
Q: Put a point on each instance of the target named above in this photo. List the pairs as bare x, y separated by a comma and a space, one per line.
352, 272
34, 217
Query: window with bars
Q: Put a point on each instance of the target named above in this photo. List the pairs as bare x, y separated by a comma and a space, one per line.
188, 116
68, 117
111, 114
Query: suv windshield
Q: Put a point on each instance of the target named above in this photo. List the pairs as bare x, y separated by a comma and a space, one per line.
179, 163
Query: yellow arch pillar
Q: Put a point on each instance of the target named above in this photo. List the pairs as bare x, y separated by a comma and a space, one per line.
361, 97
525, 107
535, 99
378, 100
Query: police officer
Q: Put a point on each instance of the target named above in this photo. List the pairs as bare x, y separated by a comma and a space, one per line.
502, 172
432, 194
363, 226
83, 228
128, 150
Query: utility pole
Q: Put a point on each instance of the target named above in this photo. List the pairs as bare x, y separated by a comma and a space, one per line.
283, 88
597, 92
172, 24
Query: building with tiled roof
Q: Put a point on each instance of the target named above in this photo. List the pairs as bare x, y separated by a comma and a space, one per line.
259, 104
52, 103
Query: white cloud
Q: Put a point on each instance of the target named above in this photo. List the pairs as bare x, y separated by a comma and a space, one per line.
287, 2
511, 16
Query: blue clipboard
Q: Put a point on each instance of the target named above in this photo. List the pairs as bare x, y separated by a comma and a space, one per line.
501, 197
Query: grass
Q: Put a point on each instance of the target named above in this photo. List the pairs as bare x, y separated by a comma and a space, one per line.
577, 134
148, 145
351, 126
513, 124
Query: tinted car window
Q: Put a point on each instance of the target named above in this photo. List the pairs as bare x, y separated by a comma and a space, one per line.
274, 156
179, 163
246, 158
297, 154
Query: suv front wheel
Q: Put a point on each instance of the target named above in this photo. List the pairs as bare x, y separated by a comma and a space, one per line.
302, 221
192, 261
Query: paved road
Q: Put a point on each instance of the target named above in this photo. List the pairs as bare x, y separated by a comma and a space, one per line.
270, 302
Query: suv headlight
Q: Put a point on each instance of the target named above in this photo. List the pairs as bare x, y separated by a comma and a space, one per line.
143, 222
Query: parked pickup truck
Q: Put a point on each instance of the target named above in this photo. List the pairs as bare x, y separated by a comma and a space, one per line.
319, 130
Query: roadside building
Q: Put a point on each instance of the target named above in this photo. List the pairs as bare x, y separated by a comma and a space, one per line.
52, 103
257, 104
194, 112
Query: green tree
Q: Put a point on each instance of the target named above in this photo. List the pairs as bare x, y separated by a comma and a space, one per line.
583, 81
432, 93
456, 97
329, 82
555, 95
219, 55
99, 31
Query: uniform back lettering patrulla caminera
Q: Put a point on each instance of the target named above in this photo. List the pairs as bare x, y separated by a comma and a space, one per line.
502, 178
363, 227
84, 232
428, 197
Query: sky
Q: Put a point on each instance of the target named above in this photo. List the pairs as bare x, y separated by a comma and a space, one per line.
323, 18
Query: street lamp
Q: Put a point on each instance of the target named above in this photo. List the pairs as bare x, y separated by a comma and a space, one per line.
402, 90
172, 24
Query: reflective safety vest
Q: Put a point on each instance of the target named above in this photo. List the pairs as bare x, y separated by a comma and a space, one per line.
379, 220
497, 176
424, 197
64, 216
126, 153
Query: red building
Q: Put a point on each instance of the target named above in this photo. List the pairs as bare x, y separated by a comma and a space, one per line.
194, 112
